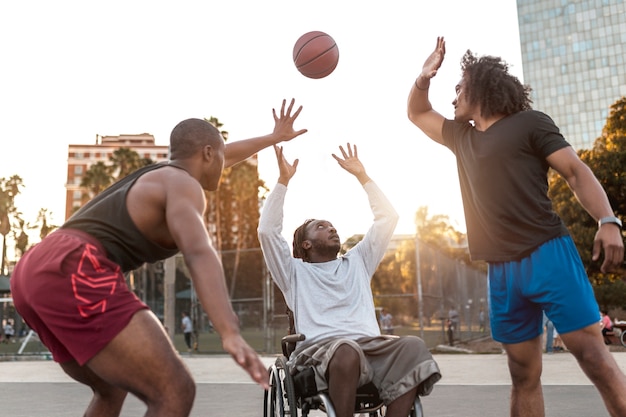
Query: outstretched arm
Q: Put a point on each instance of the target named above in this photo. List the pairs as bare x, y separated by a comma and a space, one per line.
419, 109
352, 164
184, 208
238, 151
375, 241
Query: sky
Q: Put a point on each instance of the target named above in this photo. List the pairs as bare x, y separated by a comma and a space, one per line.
71, 70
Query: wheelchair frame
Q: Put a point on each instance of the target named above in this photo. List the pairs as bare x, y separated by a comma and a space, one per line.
284, 399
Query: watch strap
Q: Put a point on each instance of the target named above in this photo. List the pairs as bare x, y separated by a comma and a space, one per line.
610, 219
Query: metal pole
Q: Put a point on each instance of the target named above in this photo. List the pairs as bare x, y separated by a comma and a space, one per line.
169, 279
418, 276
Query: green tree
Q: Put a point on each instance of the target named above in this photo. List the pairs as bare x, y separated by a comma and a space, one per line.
232, 217
124, 161
21, 228
443, 256
100, 175
607, 160
43, 219
20, 235
95, 180
437, 231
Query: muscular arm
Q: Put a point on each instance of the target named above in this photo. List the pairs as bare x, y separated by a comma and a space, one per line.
419, 109
594, 200
238, 151
184, 207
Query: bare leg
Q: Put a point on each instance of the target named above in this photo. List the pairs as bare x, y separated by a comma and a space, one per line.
343, 379
141, 360
401, 406
107, 399
599, 365
525, 368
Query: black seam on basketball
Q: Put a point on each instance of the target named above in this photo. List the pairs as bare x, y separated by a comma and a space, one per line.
311, 60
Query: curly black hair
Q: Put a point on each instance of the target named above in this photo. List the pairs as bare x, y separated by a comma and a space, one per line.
489, 84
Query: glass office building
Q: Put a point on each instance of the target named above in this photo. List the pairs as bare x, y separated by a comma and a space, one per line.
573, 55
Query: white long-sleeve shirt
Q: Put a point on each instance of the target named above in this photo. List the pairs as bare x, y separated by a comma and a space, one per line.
328, 299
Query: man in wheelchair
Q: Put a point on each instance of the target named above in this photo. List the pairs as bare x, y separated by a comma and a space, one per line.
332, 300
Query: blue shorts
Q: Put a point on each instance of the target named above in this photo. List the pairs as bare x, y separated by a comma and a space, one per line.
550, 279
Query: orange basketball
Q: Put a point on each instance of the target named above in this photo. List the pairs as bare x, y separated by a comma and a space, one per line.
315, 54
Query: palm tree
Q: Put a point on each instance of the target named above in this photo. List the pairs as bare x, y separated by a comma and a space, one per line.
42, 220
124, 161
20, 237
9, 189
96, 179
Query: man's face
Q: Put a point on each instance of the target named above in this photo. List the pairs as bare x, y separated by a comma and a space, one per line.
215, 166
323, 237
463, 112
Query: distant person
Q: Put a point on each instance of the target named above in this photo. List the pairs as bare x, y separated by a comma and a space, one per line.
606, 325
481, 320
9, 332
71, 290
450, 332
333, 304
386, 321
549, 332
503, 151
455, 322
558, 344
187, 327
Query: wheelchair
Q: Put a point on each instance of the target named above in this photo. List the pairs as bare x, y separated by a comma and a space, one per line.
297, 395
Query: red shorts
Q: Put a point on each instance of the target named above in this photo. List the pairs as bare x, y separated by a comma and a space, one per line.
72, 295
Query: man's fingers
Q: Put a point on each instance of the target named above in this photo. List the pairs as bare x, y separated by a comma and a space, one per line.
595, 251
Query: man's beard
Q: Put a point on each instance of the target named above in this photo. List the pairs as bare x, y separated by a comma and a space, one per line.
325, 248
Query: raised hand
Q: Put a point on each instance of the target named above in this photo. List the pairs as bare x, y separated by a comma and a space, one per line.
433, 62
286, 170
351, 163
283, 125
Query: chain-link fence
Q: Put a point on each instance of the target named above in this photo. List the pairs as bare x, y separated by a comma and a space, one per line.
442, 285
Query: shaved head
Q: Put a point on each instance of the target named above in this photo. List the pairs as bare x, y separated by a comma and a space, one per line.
191, 135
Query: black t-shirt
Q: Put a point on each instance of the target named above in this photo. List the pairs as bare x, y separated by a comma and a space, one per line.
106, 218
503, 178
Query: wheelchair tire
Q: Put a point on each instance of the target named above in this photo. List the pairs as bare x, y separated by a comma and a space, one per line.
622, 338
289, 390
280, 400
269, 395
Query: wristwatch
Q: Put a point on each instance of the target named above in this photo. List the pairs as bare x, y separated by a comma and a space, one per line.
610, 219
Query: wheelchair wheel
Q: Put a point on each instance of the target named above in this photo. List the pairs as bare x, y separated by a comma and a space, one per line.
417, 410
622, 338
270, 394
280, 399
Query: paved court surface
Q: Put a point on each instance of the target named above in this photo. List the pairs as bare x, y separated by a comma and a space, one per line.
472, 386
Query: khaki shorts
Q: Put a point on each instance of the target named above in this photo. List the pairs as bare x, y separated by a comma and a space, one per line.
394, 364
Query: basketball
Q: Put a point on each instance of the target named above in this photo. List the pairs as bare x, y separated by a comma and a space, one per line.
315, 54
